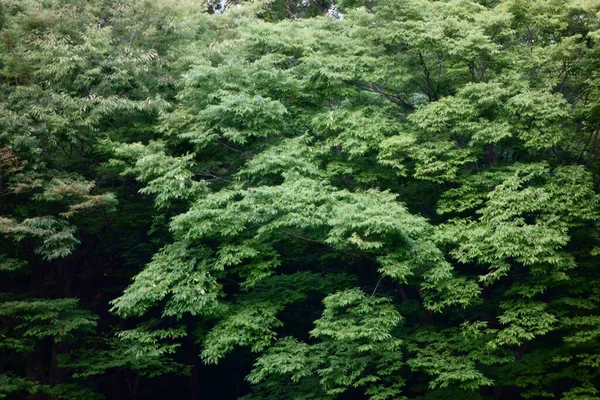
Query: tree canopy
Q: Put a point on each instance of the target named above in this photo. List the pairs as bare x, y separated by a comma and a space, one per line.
259, 200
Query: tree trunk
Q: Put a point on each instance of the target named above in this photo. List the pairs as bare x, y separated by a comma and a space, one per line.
194, 380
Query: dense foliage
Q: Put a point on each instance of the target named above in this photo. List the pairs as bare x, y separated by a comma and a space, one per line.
388, 199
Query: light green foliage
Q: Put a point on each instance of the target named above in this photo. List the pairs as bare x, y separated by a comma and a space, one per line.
253, 319
381, 199
57, 319
450, 358
177, 272
525, 218
10, 384
144, 350
287, 357
309, 139
56, 236
250, 325
354, 336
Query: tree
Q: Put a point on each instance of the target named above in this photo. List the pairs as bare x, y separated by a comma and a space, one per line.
310, 147
73, 74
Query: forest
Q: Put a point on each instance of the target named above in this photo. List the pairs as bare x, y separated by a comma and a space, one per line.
300, 199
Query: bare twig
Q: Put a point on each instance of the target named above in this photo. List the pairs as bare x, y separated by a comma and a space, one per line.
376, 287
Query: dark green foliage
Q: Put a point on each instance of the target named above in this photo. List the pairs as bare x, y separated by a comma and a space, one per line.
72, 73
392, 199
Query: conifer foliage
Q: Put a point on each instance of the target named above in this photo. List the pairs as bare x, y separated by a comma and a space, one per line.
389, 199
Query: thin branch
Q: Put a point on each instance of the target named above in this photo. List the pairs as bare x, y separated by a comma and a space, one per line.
376, 287
595, 134
373, 88
205, 173
230, 148
430, 93
303, 238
